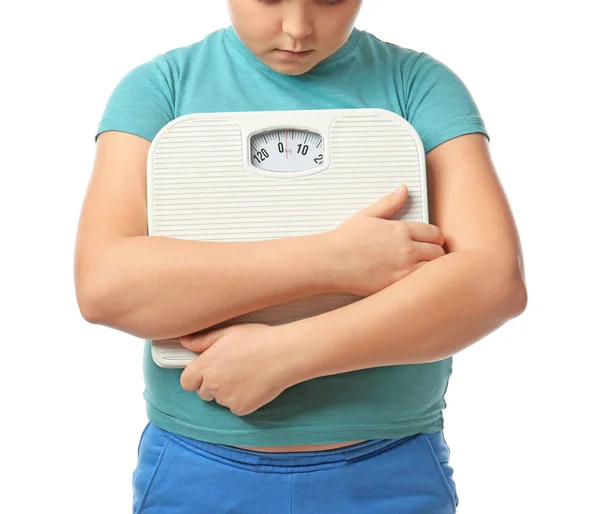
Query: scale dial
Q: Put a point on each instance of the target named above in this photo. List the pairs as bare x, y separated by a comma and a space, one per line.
286, 150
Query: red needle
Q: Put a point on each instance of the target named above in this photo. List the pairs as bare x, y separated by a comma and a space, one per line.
286, 152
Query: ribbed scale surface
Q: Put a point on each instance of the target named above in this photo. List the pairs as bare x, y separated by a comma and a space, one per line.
200, 190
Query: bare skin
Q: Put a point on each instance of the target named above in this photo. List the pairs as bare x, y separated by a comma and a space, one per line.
300, 448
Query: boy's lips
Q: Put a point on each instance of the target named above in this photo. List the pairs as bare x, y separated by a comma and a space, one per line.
290, 53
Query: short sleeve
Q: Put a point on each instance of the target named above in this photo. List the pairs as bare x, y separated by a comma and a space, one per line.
142, 102
439, 106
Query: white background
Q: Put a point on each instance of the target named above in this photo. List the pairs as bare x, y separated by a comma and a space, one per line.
521, 415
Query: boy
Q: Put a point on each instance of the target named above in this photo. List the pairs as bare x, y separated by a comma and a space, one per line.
342, 423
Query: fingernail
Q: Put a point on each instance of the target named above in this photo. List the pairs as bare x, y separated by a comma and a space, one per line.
400, 189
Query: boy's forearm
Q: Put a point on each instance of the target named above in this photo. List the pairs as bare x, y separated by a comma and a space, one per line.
429, 315
159, 288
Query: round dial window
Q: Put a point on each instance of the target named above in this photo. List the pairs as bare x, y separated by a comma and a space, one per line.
286, 150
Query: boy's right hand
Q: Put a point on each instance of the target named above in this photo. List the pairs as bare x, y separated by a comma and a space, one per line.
371, 252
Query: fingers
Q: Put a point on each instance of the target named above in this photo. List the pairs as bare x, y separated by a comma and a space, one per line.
428, 251
190, 378
386, 206
425, 232
203, 341
203, 393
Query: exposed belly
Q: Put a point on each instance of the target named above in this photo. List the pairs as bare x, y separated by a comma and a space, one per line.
301, 448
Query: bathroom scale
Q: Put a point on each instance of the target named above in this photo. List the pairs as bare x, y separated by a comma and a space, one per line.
250, 176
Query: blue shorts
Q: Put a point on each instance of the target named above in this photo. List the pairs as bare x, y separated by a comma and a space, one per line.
178, 475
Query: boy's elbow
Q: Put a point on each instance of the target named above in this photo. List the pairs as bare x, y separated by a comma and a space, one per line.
506, 290
524, 297
514, 295
90, 303
90, 286
509, 286
520, 299
519, 295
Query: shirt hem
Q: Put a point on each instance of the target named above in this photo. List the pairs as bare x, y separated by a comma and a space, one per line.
299, 435
453, 130
129, 124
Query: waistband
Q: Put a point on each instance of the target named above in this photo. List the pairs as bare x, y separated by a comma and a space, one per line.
287, 461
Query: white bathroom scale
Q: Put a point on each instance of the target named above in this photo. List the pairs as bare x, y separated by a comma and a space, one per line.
251, 176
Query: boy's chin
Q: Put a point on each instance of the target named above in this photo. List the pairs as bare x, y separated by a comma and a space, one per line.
290, 69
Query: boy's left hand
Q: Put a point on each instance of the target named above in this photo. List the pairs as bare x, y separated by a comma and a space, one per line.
243, 366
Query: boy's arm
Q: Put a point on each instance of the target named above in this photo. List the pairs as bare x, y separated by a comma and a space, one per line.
446, 305
433, 313
161, 288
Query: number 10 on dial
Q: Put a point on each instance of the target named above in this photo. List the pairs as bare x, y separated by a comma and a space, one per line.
286, 150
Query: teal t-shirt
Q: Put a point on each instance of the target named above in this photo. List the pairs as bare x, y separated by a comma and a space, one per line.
220, 74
